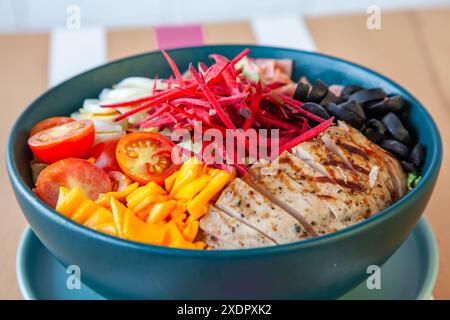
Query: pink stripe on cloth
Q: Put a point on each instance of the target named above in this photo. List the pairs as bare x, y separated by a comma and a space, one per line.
168, 37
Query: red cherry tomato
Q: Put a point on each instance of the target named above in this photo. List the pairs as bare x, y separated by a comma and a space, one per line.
71, 173
104, 154
73, 139
49, 123
145, 157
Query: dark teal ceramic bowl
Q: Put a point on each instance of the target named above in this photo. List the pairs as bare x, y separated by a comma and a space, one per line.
324, 267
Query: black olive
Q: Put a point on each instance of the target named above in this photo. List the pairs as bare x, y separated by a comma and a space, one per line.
349, 90
417, 156
398, 149
368, 95
408, 166
375, 130
301, 91
394, 104
372, 134
330, 97
316, 109
378, 125
318, 91
396, 128
350, 112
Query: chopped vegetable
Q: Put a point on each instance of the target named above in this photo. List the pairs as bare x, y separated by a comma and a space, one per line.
72, 139
104, 154
413, 180
71, 173
49, 123
145, 157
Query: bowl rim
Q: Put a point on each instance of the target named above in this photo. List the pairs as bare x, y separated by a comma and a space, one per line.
21, 187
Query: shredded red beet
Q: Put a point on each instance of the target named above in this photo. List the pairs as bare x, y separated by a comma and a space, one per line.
220, 97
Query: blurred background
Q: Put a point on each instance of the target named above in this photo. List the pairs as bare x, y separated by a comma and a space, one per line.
43, 42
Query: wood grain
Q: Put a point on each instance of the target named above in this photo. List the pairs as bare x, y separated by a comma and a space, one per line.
23, 61
229, 33
123, 43
411, 48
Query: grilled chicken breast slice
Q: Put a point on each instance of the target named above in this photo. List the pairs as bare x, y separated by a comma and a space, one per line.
343, 174
372, 172
312, 208
231, 230
391, 171
213, 242
338, 199
246, 204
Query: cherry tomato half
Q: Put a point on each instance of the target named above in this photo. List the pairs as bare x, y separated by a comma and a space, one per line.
104, 154
49, 123
71, 173
73, 139
145, 157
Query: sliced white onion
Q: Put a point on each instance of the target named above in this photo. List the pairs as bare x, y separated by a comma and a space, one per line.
105, 92
82, 114
135, 118
121, 179
79, 116
106, 126
136, 82
93, 106
373, 176
124, 94
141, 82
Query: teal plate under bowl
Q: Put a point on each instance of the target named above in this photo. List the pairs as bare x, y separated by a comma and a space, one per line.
409, 274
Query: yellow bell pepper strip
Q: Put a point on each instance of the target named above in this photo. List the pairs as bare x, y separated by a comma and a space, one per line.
168, 183
179, 220
190, 190
213, 172
70, 202
84, 211
100, 216
104, 199
63, 191
161, 211
190, 218
198, 206
151, 189
118, 212
143, 215
137, 230
191, 231
187, 173
200, 245
107, 228
205, 169
174, 238
150, 200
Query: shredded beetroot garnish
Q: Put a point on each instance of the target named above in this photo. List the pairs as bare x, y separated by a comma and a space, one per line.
155, 80
306, 135
220, 97
211, 98
174, 68
298, 105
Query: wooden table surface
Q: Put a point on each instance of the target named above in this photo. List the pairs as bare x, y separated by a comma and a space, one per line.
412, 48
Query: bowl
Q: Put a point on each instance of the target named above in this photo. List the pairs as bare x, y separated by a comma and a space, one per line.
320, 268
